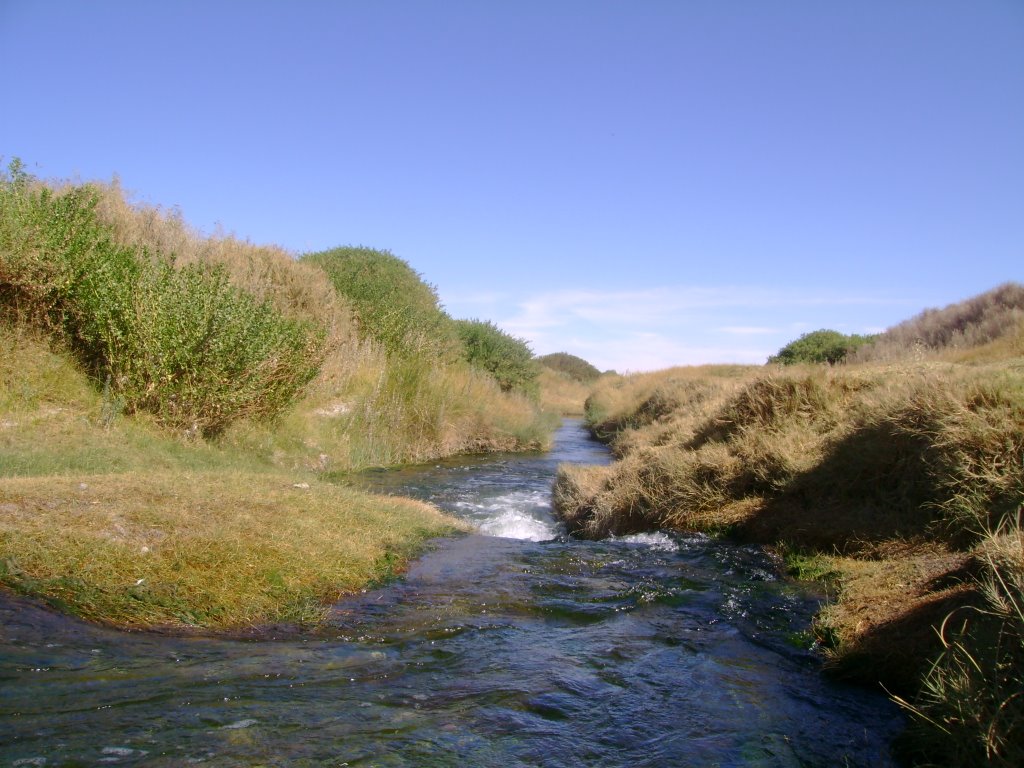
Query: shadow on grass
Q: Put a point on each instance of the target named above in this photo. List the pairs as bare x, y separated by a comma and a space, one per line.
873, 486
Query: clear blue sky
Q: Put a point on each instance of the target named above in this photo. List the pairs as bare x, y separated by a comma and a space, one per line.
641, 183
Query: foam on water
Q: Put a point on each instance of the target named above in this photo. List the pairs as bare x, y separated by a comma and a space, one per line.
658, 540
515, 524
516, 515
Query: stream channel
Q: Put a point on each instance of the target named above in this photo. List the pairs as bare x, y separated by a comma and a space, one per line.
517, 646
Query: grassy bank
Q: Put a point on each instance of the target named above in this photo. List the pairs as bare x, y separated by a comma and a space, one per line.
115, 519
216, 550
213, 336
902, 484
172, 403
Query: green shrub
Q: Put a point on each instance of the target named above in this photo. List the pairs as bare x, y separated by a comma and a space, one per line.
394, 305
574, 367
200, 353
182, 344
507, 358
824, 346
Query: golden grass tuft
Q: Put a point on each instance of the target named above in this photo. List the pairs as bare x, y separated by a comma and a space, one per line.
561, 394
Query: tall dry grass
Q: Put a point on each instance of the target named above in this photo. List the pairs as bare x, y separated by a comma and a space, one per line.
562, 394
933, 447
970, 707
892, 475
961, 326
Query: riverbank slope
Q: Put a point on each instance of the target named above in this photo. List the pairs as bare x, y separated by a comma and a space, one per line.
113, 519
900, 485
171, 401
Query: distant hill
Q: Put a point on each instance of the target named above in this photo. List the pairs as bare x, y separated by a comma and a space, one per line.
975, 322
574, 367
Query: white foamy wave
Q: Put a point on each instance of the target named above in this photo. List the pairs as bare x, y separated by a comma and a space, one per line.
658, 540
513, 524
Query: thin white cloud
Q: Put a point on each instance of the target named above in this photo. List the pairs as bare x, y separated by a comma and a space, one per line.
655, 328
660, 305
747, 330
651, 352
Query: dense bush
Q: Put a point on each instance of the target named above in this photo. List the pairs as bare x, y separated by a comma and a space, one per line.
824, 346
181, 343
394, 305
508, 359
574, 367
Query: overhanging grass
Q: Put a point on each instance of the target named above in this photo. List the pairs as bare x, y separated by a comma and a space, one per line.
209, 550
891, 478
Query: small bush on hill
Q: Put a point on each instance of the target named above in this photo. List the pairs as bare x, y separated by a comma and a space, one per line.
182, 344
574, 367
508, 359
395, 307
824, 346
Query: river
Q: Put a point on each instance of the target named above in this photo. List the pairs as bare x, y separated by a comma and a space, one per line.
516, 646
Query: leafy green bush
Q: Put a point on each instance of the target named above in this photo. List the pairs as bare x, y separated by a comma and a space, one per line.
181, 343
824, 346
505, 357
574, 367
395, 307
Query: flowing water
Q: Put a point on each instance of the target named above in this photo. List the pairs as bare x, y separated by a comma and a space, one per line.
513, 647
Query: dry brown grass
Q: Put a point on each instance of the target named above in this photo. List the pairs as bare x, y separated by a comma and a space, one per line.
562, 394
890, 476
953, 330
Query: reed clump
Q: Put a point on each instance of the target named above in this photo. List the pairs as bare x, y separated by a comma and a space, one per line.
969, 709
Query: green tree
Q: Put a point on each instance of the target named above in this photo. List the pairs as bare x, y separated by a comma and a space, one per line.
507, 358
393, 303
574, 367
822, 346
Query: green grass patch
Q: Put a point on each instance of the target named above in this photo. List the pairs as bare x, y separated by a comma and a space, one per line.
202, 550
807, 565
